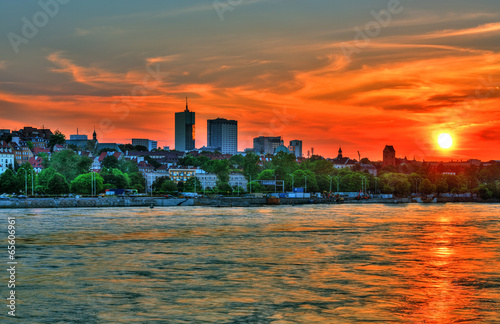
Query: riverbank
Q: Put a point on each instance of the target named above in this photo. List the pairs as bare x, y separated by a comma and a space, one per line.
209, 202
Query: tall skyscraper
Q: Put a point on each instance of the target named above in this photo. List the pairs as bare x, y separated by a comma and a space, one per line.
296, 147
185, 130
223, 134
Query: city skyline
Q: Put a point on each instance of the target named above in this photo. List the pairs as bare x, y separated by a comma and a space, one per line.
334, 74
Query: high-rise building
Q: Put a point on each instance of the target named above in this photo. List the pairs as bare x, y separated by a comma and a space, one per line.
266, 144
389, 156
223, 134
151, 145
185, 130
296, 147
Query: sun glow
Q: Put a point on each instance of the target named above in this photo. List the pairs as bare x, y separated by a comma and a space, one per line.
445, 141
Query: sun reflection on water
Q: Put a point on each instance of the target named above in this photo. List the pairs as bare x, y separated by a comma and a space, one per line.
303, 264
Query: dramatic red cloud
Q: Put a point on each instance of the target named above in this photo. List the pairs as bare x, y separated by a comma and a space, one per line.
399, 90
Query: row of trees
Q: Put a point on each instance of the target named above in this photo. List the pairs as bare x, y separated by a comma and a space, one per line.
68, 172
319, 175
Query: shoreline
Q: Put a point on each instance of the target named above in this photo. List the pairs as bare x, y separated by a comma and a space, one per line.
110, 202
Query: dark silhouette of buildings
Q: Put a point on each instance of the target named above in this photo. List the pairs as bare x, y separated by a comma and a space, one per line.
223, 134
266, 144
185, 130
389, 156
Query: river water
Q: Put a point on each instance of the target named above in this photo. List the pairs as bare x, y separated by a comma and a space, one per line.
302, 264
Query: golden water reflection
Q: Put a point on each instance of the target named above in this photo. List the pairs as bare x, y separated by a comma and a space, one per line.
303, 264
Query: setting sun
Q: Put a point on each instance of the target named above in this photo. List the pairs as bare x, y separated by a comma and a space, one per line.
445, 141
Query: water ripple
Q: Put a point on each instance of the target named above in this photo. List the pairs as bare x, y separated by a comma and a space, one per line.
302, 264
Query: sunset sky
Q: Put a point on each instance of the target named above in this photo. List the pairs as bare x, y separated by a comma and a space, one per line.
327, 72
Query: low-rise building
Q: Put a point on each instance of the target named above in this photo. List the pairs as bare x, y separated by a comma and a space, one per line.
370, 169
39, 150
37, 164
182, 173
209, 180
149, 144
22, 154
7, 157
341, 162
238, 180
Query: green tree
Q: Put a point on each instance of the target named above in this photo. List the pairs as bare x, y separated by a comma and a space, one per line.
484, 192
43, 180
254, 186
45, 159
189, 185
237, 161
441, 186
220, 168
267, 174
188, 160
83, 184
115, 177
365, 161
56, 138
395, 183
251, 165
350, 181
223, 188
202, 160
127, 166
169, 186
284, 165
69, 164
110, 162
323, 167
137, 181
157, 184
57, 185
155, 164
452, 182
25, 176
426, 187
9, 183
306, 179
415, 181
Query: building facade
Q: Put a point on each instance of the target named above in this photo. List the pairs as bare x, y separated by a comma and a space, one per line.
185, 130
78, 137
181, 174
151, 145
389, 156
209, 180
22, 154
223, 134
7, 157
296, 148
266, 144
